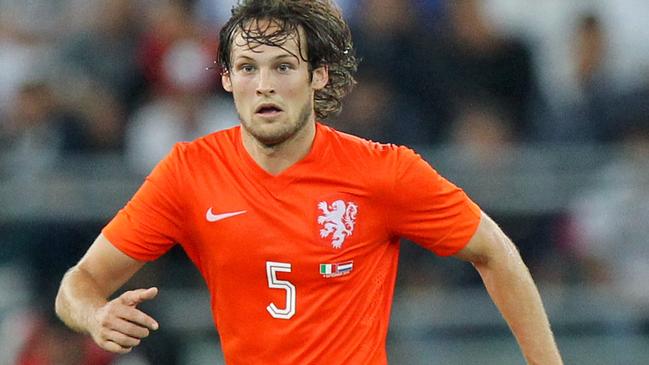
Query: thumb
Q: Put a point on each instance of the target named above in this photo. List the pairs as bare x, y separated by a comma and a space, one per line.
135, 297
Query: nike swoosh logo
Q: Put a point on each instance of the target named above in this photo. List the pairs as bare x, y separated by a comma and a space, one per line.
211, 217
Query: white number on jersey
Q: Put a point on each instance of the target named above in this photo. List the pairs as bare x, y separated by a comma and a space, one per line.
271, 272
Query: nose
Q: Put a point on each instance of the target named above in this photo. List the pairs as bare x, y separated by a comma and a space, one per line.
265, 83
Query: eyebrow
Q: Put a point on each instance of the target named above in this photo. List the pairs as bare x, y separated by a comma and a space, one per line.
279, 57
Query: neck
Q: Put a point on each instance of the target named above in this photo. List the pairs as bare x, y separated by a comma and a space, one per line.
277, 158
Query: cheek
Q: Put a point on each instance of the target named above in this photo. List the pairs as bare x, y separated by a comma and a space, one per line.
241, 92
241, 106
242, 87
297, 90
240, 83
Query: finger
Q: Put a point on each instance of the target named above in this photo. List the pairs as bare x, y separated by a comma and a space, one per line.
135, 297
148, 294
121, 339
114, 347
130, 329
137, 317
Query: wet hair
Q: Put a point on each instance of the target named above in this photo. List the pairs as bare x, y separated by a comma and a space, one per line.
328, 41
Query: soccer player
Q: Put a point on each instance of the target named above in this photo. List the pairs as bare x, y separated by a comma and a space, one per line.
294, 226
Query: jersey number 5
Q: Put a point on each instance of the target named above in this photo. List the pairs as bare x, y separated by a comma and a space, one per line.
274, 283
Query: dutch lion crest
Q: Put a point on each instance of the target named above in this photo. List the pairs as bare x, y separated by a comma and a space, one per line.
338, 220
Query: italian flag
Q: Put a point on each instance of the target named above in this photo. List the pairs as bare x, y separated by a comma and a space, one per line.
326, 269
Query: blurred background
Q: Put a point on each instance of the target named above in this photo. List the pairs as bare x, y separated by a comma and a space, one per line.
539, 110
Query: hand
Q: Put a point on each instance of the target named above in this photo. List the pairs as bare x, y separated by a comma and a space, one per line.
118, 325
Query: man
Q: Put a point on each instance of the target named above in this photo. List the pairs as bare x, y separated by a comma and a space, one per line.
293, 225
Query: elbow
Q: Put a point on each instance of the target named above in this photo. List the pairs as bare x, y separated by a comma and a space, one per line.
489, 248
497, 248
481, 259
58, 305
501, 253
61, 302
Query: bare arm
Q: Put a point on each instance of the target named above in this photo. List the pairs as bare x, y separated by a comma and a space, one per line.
82, 301
512, 289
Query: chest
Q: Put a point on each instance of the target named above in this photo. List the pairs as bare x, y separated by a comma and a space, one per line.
315, 223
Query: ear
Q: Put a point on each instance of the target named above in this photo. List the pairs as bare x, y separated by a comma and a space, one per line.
226, 81
320, 77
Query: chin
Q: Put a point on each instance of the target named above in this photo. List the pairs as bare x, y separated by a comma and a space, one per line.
272, 134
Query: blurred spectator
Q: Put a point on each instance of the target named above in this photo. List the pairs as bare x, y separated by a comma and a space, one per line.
103, 115
22, 58
38, 130
390, 44
376, 111
170, 28
476, 60
585, 116
609, 221
105, 53
184, 103
484, 132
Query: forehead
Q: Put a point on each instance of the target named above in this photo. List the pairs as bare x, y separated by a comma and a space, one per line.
266, 37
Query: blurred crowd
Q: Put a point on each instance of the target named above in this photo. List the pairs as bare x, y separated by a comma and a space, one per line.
131, 78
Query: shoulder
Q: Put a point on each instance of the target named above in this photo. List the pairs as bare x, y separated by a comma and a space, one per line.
196, 157
378, 166
364, 152
220, 143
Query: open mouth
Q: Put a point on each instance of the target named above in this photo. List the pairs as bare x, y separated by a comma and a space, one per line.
268, 109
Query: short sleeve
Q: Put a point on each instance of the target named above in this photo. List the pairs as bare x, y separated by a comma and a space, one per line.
428, 209
151, 222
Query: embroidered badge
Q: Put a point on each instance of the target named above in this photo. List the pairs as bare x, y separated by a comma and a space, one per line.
337, 220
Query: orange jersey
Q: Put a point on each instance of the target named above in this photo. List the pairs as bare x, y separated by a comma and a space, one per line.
300, 266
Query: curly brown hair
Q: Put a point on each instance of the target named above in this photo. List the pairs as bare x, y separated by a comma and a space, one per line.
328, 41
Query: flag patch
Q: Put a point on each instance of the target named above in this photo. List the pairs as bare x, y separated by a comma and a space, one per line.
334, 270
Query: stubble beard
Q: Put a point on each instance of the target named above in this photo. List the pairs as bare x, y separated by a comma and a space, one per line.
282, 133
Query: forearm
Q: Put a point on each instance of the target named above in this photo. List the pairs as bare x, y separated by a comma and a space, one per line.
512, 289
78, 298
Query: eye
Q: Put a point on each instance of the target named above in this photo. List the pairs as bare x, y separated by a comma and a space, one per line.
246, 68
284, 67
